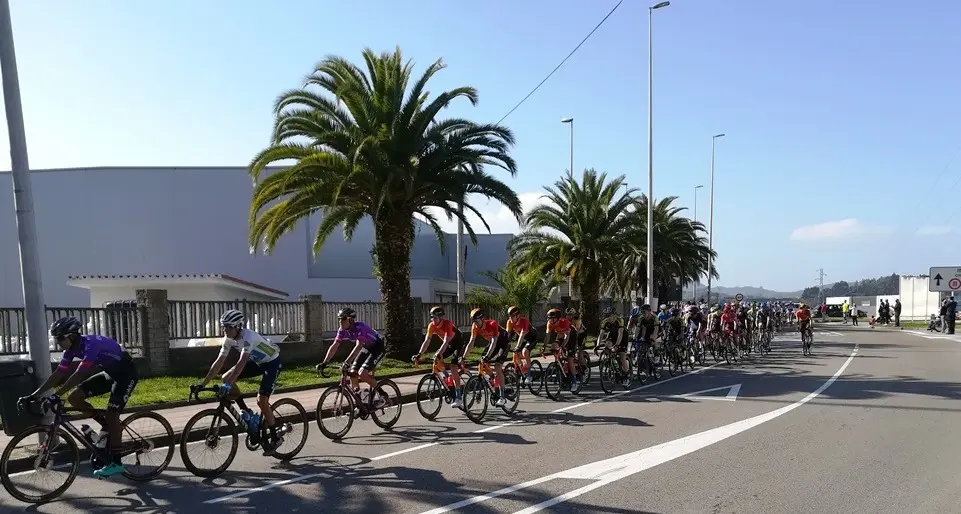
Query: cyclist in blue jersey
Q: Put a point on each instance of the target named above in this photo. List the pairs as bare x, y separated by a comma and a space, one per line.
263, 352
369, 350
104, 368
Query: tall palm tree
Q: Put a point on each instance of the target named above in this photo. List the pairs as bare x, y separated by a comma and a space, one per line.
576, 234
359, 142
681, 249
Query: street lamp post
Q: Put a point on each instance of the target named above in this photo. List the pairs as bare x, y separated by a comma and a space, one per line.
710, 230
570, 121
650, 149
695, 221
37, 340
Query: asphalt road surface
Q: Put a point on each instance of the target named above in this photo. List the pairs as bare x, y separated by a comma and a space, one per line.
868, 424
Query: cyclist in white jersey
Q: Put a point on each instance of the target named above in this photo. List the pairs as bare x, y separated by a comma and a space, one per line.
261, 351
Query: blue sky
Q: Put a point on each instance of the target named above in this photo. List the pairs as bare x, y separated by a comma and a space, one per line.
843, 121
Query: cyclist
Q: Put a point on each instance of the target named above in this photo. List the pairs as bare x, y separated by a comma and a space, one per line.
647, 326
452, 343
559, 331
496, 352
104, 367
364, 358
578, 331
266, 355
803, 316
526, 337
612, 332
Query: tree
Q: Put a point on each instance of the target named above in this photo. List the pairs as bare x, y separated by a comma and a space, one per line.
681, 250
356, 143
515, 287
576, 234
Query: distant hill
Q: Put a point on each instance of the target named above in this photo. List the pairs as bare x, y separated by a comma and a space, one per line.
748, 291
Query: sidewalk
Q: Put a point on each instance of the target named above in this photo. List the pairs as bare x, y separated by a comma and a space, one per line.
178, 416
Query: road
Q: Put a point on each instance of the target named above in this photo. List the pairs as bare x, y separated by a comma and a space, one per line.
868, 424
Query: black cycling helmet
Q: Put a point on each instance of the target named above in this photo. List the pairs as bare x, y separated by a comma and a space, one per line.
346, 313
645, 308
553, 313
476, 314
437, 311
65, 326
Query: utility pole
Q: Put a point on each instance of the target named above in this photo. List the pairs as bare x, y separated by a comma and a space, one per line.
820, 285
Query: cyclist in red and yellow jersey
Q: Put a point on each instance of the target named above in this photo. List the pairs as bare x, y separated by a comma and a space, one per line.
496, 352
526, 337
451, 346
559, 333
803, 315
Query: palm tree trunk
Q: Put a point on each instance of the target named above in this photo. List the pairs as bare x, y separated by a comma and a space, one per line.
590, 296
394, 239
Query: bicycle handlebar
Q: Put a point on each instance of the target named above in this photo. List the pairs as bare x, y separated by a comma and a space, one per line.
195, 391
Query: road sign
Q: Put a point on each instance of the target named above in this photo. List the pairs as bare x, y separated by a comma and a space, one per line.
738, 297
944, 279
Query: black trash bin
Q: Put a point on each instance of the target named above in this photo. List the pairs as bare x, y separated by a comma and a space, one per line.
17, 378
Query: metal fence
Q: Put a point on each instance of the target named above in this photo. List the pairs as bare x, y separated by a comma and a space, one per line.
201, 319
122, 323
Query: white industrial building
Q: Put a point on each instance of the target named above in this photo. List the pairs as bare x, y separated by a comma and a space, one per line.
177, 221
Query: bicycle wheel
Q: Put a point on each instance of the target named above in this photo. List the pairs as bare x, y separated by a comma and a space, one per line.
335, 405
553, 381
535, 382
292, 427
388, 413
607, 374
35, 461
208, 428
153, 441
430, 396
476, 398
512, 391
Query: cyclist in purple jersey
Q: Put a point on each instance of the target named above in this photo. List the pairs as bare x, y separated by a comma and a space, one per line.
367, 353
104, 368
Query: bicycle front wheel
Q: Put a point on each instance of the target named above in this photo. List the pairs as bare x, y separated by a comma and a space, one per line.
290, 419
147, 442
207, 432
26, 459
386, 413
333, 407
554, 381
430, 396
476, 398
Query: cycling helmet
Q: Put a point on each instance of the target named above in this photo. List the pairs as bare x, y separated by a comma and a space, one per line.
513, 310
232, 318
437, 311
645, 308
64, 326
609, 311
346, 313
635, 312
663, 306
476, 314
553, 313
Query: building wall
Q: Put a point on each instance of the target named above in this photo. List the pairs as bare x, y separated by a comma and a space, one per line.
109, 221
192, 292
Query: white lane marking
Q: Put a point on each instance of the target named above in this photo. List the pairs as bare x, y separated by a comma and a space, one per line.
731, 396
607, 471
300, 478
629, 391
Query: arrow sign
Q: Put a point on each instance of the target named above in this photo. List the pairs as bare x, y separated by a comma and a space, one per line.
732, 392
937, 279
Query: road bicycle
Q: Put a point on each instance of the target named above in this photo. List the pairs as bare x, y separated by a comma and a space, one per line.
646, 360
609, 369
225, 425
347, 404
807, 339
483, 389
51, 448
439, 386
557, 376
534, 375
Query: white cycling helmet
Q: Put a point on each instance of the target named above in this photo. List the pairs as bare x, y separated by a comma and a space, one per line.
232, 318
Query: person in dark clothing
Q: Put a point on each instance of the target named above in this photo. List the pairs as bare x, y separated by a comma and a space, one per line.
897, 312
951, 313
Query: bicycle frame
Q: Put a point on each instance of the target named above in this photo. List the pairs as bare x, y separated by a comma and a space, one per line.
59, 421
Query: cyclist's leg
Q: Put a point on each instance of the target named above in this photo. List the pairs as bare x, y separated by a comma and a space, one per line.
96, 385
124, 380
268, 382
367, 366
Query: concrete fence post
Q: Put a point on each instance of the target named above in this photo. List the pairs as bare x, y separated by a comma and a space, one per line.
313, 317
156, 344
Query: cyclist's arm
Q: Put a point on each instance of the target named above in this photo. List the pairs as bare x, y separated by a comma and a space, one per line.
423, 346
217, 365
520, 339
354, 352
620, 337
85, 369
54, 379
238, 368
470, 345
334, 347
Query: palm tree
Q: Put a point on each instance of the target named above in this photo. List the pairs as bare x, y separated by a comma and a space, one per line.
514, 287
577, 235
681, 249
366, 142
